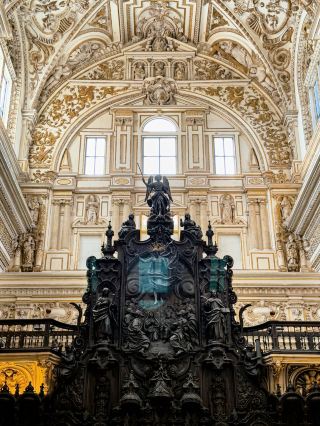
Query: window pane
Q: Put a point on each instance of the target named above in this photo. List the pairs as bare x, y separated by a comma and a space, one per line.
230, 166
160, 125
220, 166
218, 146
151, 165
91, 147
89, 170
100, 147
99, 166
168, 147
228, 146
316, 98
1, 61
3, 95
151, 146
168, 165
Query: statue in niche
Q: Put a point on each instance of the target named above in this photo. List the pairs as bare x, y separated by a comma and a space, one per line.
292, 254
34, 207
179, 71
127, 226
158, 194
159, 69
92, 210
190, 225
215, 319
227, 207
103, 316
28, 250
16, 250
139, 71
285, 208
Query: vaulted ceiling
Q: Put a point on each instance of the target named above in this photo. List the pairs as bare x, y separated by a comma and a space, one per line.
69, 55
54, 39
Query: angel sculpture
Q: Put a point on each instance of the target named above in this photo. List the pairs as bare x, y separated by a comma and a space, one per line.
158, 194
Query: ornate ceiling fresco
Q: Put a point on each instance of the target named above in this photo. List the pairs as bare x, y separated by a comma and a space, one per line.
61, 49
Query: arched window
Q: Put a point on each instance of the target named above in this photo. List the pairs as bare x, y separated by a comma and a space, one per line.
159, 141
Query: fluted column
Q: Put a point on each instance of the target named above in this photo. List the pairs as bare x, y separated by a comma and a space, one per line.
264, 225
39, 254
65, 243
203, 216
303, 258
55, 224
258, 223
115, 216
252, 225
280, 253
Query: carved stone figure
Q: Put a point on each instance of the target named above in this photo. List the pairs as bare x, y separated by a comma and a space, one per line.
227, 209
139, 71
92, 210
16, 250
28, 254
234, 53
292, 254
179, 71
103, 314
159, 90
215, 319
34, 207
159, 69
61, 71
127, 226
158, 194
190, 225
286, 208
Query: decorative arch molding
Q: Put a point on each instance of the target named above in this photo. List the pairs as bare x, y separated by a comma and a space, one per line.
253, 112
5, 29
299, 71
56, 129
57, 48
252, 42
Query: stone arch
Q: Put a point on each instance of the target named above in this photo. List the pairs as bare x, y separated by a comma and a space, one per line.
218, 108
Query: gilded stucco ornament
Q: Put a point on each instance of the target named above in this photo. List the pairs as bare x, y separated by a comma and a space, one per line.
256, 110
247, 63
64, 109
82, 56
110, 70
45, 25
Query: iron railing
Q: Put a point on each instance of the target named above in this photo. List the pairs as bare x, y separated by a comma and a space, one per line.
48, 334
285, 336
27, 335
